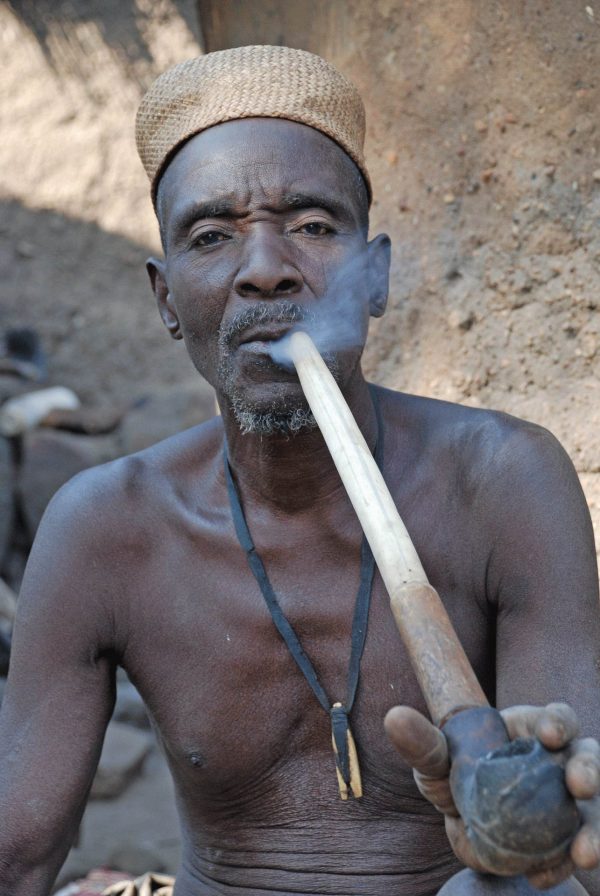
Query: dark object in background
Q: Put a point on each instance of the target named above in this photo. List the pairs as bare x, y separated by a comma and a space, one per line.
87, 421
23, 355
4, 653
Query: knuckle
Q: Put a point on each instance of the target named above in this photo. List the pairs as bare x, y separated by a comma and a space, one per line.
585, 849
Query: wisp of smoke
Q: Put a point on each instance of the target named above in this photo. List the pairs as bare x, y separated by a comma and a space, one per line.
334, 323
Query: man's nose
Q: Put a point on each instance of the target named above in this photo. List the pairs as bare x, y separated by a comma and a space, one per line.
266, 270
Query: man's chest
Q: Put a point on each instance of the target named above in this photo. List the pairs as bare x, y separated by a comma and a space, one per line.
228, 698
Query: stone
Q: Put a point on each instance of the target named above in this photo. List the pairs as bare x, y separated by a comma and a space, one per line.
49, 459
15, 563
24, 412
123, 755
4, 653
7, 476
8, 602
94, 883
12, 385
129, 706
166, 413
136, 858
90, 421
461, 319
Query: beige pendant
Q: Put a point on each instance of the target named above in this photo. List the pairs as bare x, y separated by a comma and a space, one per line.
355, 788
147, 885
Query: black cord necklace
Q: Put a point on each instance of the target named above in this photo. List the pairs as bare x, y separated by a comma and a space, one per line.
344, 747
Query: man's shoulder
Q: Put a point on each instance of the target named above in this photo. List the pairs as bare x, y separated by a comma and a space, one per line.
482, 440
117, 500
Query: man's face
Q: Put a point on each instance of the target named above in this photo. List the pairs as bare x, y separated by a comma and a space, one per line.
263, 223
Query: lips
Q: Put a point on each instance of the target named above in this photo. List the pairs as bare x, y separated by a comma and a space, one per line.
264, 333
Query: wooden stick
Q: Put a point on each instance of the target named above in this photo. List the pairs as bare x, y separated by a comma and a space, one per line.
437, 657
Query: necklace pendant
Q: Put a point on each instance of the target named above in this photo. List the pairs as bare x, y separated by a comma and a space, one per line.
352, 787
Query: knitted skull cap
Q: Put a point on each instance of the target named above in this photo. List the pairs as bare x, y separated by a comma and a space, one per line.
247, 82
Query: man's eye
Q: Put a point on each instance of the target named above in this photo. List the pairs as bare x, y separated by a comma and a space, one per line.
210, 238
315, 228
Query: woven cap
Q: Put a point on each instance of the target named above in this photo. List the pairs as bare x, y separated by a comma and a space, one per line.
247, 82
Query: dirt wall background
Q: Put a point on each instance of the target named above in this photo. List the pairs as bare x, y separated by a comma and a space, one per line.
483, 146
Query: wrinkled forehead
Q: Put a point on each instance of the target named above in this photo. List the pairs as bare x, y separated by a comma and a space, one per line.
257, 159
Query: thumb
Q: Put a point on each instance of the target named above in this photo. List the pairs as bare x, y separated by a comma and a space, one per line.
421, 744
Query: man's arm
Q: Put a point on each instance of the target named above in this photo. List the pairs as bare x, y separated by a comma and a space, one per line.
60, 692
542, 575
541, 581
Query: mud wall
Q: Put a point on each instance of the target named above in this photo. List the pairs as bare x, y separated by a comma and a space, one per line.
483, 147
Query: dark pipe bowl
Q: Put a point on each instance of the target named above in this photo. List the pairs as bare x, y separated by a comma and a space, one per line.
512, 796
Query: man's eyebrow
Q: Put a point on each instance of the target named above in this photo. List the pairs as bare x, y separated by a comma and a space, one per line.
226, 208
314, 200
212, 208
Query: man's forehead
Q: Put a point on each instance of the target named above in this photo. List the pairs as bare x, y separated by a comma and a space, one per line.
246, 160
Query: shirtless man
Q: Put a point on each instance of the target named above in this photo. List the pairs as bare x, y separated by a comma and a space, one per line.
137, 562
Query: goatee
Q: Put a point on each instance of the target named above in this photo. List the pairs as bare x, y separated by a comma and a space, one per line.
279, 416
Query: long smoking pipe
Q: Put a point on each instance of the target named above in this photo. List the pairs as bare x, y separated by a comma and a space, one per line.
511, 796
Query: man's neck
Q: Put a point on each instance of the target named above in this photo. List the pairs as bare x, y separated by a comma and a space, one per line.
296, 471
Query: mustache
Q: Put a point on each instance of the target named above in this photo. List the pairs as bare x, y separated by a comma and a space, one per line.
263, 313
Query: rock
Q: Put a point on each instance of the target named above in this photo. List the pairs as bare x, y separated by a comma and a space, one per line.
24, 412
15, 563
7, 476
24, 354
51, 458
4, 653
165, 413
129, 706
460, 319
25, 249
122, 757
12, 385
97, 881
8, 602
136, 859
90, 421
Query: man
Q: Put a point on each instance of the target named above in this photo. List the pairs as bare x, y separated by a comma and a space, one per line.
260, 186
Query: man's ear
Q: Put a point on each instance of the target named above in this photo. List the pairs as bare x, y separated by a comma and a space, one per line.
379, 249
166, 307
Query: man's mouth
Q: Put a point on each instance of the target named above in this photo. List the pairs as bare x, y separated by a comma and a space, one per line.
263, 334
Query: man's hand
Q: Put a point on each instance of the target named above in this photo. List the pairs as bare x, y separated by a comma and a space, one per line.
423, 746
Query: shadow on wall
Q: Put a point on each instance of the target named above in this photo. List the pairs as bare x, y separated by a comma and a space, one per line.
311, 25
87, 294
122, 28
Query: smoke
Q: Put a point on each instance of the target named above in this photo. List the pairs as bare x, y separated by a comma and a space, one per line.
338, 320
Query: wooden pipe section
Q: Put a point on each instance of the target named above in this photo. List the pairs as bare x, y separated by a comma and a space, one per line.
437, 657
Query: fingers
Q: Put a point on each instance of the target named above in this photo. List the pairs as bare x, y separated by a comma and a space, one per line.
582, 771
585, 849
554, 725
421, 744
461, 845
552, 877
